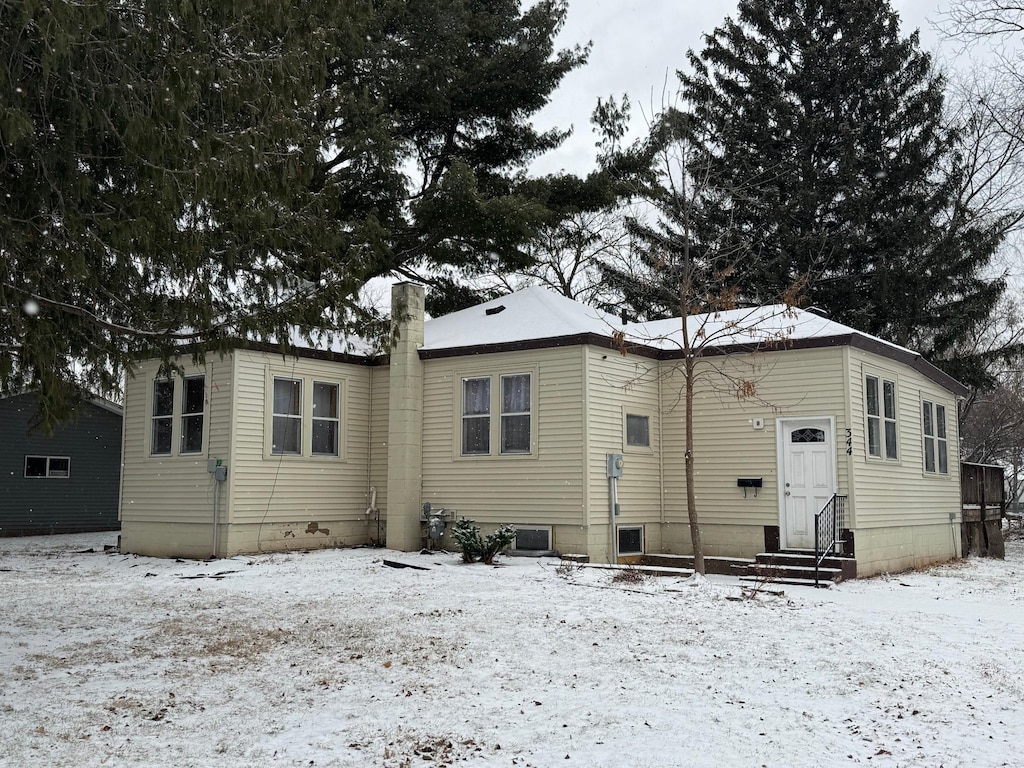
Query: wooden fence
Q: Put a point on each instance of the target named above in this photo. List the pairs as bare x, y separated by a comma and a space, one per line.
983, 502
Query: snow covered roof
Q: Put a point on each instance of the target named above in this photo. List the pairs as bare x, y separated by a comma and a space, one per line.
526, 315
772, 324
536, 313
538, 317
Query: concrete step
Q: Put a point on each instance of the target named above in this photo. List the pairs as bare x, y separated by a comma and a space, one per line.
847, 565
790, 574
825, 584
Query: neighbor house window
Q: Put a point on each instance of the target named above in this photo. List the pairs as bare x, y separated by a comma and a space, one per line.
192, 404
476, 416
638, 431
287, 427
163, 416
631, 539
326, 423
936, 447
47, 466
880, 397
515, 413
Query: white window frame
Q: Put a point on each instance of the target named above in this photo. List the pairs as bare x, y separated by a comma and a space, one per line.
643, 413
494, 415
882, 419
186, 415
618, 539
49, 475
470, 417
527, 414
934, 443
308, 376
336, 419
161, 417
292, 417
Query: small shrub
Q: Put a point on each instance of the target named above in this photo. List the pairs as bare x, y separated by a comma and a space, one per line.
475, 548
568, 569
629, 575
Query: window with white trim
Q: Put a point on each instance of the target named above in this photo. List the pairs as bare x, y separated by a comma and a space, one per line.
638, 430
48, 466
510, 396
515, 413
286, 435
304, 415
163, 417
936, 446
193, 404
326, 419
631, 539
881, 410
476, 416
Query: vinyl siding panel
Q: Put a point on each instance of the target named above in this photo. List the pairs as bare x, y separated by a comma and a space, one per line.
175, 488
621, 384
542, 488
378, 439
789, 384
268, 488
888, 493
85, 500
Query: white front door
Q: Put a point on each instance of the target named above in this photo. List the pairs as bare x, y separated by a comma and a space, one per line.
807, 478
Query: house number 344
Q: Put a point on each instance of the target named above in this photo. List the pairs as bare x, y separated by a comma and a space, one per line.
849, 442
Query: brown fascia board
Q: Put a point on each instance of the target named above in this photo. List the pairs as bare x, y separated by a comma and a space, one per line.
302, 352
905, 356
593, 339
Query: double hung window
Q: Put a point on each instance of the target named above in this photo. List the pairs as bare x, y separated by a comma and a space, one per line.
511, 399
287, 429
515, 413
476, 416
192, 407
180, 419
880, 407
305, 416
933, 428
163, 416
326, 421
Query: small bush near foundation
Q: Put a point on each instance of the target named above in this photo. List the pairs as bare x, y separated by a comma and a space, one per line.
475, 548
629, 575
568, 569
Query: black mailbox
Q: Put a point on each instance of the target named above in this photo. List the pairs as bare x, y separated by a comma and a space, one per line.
748, 482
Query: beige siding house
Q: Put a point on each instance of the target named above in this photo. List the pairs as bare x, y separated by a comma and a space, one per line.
519, 410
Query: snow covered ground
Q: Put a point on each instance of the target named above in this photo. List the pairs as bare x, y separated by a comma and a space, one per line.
329, 658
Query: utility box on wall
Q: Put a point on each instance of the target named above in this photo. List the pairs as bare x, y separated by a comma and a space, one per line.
615, 465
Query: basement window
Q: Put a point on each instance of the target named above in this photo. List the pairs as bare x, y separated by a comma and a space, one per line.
533, 539
631, 539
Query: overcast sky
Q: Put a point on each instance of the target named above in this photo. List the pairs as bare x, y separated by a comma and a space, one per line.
637, 47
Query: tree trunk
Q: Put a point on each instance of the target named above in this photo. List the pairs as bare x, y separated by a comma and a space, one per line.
691, 495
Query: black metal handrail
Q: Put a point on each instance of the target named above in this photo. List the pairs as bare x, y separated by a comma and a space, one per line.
828, 526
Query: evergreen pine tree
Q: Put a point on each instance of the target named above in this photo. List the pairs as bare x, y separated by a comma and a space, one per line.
205, 172
821, 131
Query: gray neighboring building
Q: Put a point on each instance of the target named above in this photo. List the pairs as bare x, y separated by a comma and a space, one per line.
67, 482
